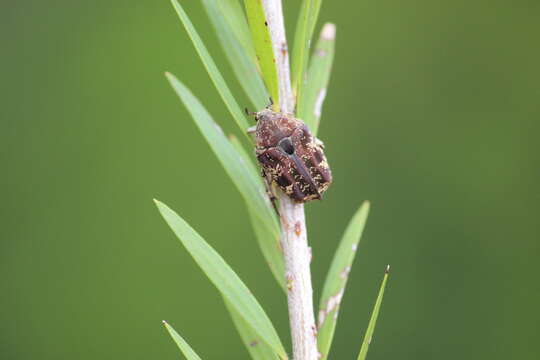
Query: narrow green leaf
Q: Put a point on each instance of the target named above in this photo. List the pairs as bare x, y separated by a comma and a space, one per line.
182, 344
315, 10
224, 278
373, 320
247, 182
212, 69
234, 14
310, 103
302, 40
268, 241
337, 277
257, 348
249, 160
305, 26
270, 248
244, 66
263, 46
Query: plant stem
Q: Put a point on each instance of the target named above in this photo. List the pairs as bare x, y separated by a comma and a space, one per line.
298, 276
293, 223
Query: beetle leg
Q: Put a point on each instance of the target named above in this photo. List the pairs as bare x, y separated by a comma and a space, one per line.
319, 143
301, 168
270, 191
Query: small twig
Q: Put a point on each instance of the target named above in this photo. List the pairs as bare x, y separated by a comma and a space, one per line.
294, 235
276, 25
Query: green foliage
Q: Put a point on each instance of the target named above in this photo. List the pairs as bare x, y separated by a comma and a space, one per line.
225, 279
181, 343
242, 173
250, 57
268, 240
263, 47
302, 40
233, 12
373, 320
310, 103
212, 69
258, 349
226, 18
307, 19
337, 277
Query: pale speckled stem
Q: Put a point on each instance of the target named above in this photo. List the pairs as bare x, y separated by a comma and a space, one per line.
294, 242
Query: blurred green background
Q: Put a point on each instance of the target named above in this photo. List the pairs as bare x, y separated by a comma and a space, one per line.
432, 114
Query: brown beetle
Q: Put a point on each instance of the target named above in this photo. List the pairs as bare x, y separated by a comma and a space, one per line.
290, 156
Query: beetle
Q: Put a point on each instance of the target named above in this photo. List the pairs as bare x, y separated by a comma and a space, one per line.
290, 156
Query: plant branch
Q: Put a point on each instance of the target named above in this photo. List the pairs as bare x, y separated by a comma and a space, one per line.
294, 242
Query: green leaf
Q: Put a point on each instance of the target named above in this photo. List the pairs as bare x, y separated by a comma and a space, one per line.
182, 344
224, 278
302, 40
337, 277
305, 26
263, 47
373, 320
244, 66
247, 182
315, 10
212, 69
270, 248
310, 103
258, 349
268, 241
234, 14
248, 160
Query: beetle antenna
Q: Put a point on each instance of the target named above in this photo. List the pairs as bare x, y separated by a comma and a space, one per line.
271, 102
248, 113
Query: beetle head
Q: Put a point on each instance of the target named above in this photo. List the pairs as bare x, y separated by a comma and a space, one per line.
264, 115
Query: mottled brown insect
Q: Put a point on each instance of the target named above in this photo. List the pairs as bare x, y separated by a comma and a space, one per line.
290, 156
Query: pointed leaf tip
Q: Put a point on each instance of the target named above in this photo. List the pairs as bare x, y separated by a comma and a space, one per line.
224, 279
184, 347
373, 319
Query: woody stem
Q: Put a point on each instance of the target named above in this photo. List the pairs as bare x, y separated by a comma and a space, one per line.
294, 242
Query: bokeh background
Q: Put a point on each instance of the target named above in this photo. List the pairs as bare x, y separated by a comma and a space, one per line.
432, 114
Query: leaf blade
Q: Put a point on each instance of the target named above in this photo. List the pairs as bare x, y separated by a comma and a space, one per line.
316, 9
263, 47
258, 349
224, 279
184, 347
373, 320
242, 64
212, 69
302, 39
268, 243
233, 12
246, 182
336, 279
318, 77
